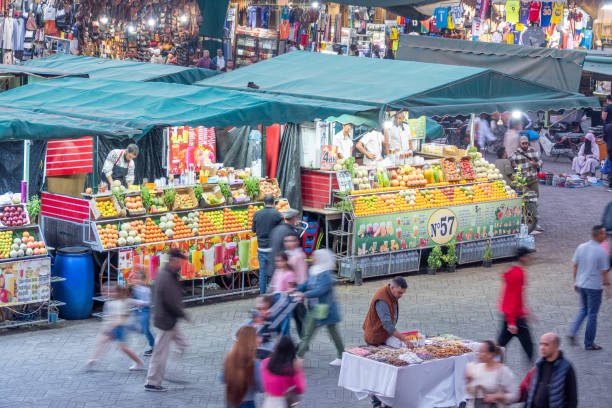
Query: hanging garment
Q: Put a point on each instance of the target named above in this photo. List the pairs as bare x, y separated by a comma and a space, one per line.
512, 11
546, 14
1, 31
457, 15
18, 33
7, 35
534, 11
441, 14
524, 12
497, 37
510, 38
587, 40
557, 13
449, 22
534, 36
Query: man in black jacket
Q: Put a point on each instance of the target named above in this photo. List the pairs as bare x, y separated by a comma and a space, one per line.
553, 384
280, 232
168, 308
264, 222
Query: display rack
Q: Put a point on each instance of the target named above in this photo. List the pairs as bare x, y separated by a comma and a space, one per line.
262, 48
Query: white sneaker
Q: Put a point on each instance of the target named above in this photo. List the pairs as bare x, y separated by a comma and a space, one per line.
137, 367
90, 364
336, 363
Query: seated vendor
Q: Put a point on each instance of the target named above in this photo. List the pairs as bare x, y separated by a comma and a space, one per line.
344, 142
399, 136
372, 145
380, 323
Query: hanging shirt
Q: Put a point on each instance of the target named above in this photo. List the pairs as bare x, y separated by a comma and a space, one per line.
510, 38
497, 37
534, 11
457, 15
587, 41
450, 24
512, 11
414, 26
546, 16
441, 14
524, 12
557, 13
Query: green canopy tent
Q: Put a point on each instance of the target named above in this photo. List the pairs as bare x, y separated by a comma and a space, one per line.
552, 67
419, 88
75, 107
121, 70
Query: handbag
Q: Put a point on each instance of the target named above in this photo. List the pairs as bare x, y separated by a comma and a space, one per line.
292, 397
320, 311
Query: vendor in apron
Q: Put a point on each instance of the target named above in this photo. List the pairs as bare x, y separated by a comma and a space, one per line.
119, 165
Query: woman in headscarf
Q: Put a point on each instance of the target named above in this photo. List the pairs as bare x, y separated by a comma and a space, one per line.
323, 308
588, 157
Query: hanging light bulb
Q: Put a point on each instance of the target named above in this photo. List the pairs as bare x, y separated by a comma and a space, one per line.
131, 28
516, 114
151, 22
314, 4
104, 20
183, 18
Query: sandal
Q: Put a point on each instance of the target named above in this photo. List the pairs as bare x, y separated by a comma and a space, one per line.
593, 347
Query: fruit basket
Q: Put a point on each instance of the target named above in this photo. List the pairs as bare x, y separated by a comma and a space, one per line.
282, 205
467, 168
157, 202
184, 200
14, 215
105, 207
449, 168
239, 195
15, 244
212, 198
268, 186
133, 204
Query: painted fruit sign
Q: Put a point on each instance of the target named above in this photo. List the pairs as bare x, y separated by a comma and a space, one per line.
437, 226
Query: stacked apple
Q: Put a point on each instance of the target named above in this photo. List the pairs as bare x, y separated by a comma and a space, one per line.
467, 169
14, 216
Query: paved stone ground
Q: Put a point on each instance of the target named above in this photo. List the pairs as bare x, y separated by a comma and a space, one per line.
43, 367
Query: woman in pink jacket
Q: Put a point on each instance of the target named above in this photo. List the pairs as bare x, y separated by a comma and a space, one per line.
282, 375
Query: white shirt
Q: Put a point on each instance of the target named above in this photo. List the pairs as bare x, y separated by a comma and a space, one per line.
220, 63
500, 381
345, 144
372, 142
399, 138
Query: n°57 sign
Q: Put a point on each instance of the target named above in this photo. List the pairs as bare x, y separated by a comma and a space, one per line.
442, 226
329, 157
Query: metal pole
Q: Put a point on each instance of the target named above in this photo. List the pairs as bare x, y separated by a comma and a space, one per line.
26, 167
263, 151
472, 128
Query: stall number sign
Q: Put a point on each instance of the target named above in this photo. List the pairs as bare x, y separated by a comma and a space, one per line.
345, 182
442, 226
329, 157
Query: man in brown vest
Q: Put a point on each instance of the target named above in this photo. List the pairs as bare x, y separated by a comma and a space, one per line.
379, 325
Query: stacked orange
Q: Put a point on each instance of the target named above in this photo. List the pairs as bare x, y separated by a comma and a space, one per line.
206, 226
108, 235
230, 222
180, 229
251, 214
153, 233
134, 203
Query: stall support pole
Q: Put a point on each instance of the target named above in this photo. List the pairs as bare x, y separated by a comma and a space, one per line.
472, 128
263, 151
26, 171
94, 173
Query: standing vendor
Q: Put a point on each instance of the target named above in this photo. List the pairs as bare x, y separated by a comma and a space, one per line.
372, 145
119, 165
399, 136
344, 142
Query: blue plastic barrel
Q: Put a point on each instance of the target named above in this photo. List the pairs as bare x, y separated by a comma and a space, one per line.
76, 266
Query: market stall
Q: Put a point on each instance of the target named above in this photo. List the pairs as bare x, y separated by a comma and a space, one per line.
431, 375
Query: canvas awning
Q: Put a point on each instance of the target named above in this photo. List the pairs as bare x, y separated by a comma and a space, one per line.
600, 65
419, 88
74, 107
9, 69
552, 67
120, 70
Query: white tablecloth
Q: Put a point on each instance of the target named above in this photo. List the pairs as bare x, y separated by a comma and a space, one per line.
435, 383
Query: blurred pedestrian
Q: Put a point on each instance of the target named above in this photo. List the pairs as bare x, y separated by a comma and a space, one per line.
141, 299
283, 376
241, 370
552, 382
297, 261
512, 304
323, 308
283, 279
591, 266
168, 309
115, 315
264, 222
489, 383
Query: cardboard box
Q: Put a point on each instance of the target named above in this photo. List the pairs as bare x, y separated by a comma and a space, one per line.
96, 212
71, 185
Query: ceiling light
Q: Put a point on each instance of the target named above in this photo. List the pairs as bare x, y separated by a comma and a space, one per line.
151, 22
315, 4
607, 6
183, 18
104, 20
516, 114
131, 29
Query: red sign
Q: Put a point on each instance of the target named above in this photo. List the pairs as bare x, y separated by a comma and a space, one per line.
190, 148
329, 157
69, 156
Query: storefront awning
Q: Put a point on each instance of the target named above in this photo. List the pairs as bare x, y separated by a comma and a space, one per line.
600, 65
120, 70
414, 9
420, 88
75, 107
8, 69
556, 68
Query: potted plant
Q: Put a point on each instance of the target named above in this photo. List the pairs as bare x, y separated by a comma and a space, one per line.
451, 256
434, 261
486, 259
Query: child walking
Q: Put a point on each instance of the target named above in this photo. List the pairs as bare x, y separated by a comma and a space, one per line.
284, 278
115, 314
141, 298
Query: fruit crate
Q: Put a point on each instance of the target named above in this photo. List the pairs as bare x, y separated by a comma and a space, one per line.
447, 163
157, 206
189, 196
467, 168
97, 214
14, 211
274, 185
209, 192
134, 212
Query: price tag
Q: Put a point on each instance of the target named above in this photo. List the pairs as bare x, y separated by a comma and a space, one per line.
345, 182
329, 157
442, 226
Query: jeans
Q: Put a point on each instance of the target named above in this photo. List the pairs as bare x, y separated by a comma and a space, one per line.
308, 330
591, 300
523, 335
143, 317
264, 260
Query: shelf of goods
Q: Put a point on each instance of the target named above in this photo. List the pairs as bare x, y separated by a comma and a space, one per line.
25, 269
390, 226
